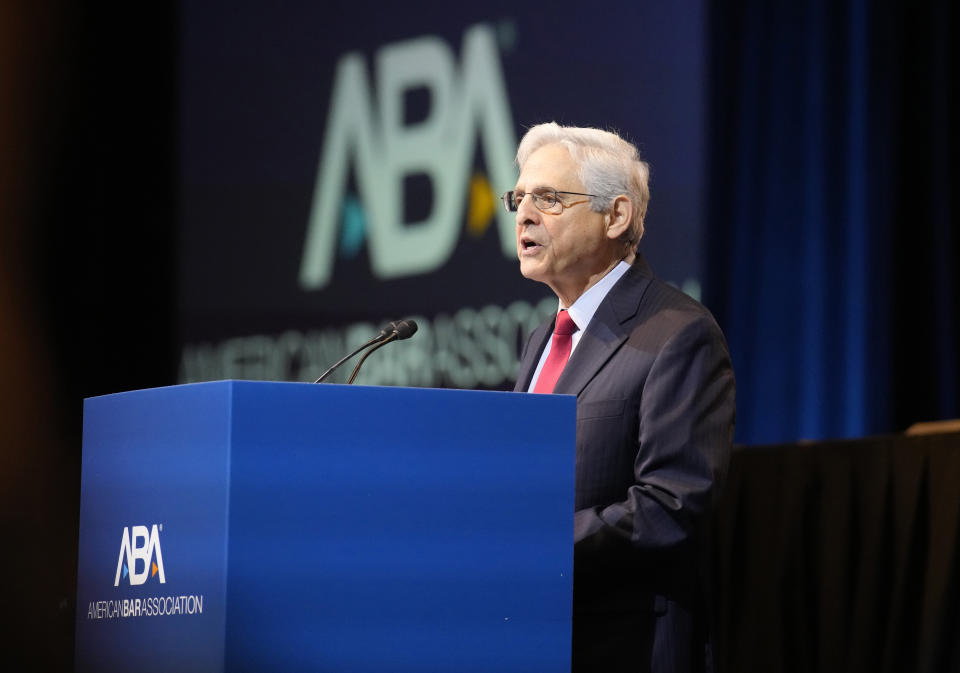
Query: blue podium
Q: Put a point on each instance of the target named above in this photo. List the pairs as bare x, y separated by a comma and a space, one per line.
248, 526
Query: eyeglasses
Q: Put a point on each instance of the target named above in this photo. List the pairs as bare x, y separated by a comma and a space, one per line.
545, 200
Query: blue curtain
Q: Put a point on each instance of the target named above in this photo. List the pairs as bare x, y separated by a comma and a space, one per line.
832, 253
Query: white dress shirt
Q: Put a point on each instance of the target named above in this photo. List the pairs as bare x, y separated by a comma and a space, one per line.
582, 312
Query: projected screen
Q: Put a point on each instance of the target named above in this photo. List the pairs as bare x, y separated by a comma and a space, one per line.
340, 166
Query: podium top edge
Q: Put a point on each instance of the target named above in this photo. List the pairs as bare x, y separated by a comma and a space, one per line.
230, 383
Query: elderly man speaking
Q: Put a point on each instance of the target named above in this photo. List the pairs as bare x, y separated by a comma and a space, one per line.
655, 401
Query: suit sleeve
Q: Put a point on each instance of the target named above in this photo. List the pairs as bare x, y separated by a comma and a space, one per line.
685, 431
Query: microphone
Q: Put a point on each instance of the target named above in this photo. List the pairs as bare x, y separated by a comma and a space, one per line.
394, 331
404, 329
401, 329
384, 333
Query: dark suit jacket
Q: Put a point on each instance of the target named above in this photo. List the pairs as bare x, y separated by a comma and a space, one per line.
655, 416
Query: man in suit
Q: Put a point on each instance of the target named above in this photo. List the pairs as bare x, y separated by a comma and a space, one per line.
655, 401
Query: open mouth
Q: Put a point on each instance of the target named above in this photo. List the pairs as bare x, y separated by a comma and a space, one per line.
528, 244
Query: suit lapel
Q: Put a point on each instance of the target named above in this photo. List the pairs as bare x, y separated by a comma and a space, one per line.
606, 331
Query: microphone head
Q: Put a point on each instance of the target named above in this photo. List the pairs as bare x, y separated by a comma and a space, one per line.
404, 329
388, 330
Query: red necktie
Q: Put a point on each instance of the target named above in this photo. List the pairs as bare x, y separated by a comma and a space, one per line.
559, 353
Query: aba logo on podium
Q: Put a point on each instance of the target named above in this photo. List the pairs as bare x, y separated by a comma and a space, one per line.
140, 555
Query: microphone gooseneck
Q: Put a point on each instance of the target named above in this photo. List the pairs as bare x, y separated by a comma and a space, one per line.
402, 329
394, 331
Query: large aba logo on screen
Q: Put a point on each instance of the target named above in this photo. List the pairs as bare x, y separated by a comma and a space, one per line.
140, 555
468, 100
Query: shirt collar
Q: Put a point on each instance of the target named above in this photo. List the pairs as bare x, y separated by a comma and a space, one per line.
586, 304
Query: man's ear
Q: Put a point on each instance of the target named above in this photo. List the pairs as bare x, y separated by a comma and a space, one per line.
619, 217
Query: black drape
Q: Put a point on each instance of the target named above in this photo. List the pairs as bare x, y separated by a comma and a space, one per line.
840, 556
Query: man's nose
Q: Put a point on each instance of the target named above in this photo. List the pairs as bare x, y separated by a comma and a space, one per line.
527, 213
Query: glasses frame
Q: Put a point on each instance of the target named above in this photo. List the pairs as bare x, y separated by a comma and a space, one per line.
512, 205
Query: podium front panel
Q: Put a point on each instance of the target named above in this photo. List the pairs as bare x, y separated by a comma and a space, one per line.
327, 528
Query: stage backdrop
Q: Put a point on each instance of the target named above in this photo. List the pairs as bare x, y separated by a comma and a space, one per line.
340, 165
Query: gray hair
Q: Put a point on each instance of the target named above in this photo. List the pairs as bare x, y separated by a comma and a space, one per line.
608, 167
